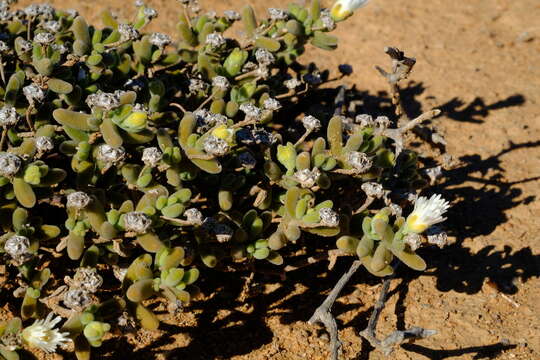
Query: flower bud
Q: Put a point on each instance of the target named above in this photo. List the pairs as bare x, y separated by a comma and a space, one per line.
232, 15
215, 40
436, 236
264, 57
277, 14
251, 110
220, 82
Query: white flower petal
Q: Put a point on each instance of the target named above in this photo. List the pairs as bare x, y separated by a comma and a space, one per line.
344, 8
426, 212
42, 334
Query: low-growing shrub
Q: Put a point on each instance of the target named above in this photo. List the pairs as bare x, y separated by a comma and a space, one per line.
132, 161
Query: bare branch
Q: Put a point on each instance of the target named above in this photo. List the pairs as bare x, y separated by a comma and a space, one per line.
397, 134
401, 68
395, 338
323, 313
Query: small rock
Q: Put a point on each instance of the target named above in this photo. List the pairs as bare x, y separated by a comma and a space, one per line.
525, 37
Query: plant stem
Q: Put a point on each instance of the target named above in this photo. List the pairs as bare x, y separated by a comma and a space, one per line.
3, 139
28, 119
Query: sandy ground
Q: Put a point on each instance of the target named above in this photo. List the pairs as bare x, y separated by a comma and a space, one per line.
478, 61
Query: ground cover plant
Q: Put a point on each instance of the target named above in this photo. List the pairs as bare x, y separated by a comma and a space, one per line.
132, 161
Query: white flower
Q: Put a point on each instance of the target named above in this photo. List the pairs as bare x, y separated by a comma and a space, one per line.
43, 335
342, 9
426, 212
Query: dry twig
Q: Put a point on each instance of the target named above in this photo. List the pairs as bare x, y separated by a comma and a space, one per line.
323, 313
401, 68
395, 338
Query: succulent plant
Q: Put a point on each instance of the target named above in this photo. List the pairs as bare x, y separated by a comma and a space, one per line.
152, 157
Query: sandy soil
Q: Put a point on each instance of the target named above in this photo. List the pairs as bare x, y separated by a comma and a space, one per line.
478, 62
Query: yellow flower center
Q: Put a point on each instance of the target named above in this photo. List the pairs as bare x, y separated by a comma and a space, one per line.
414, 225
221, 132
339, 13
